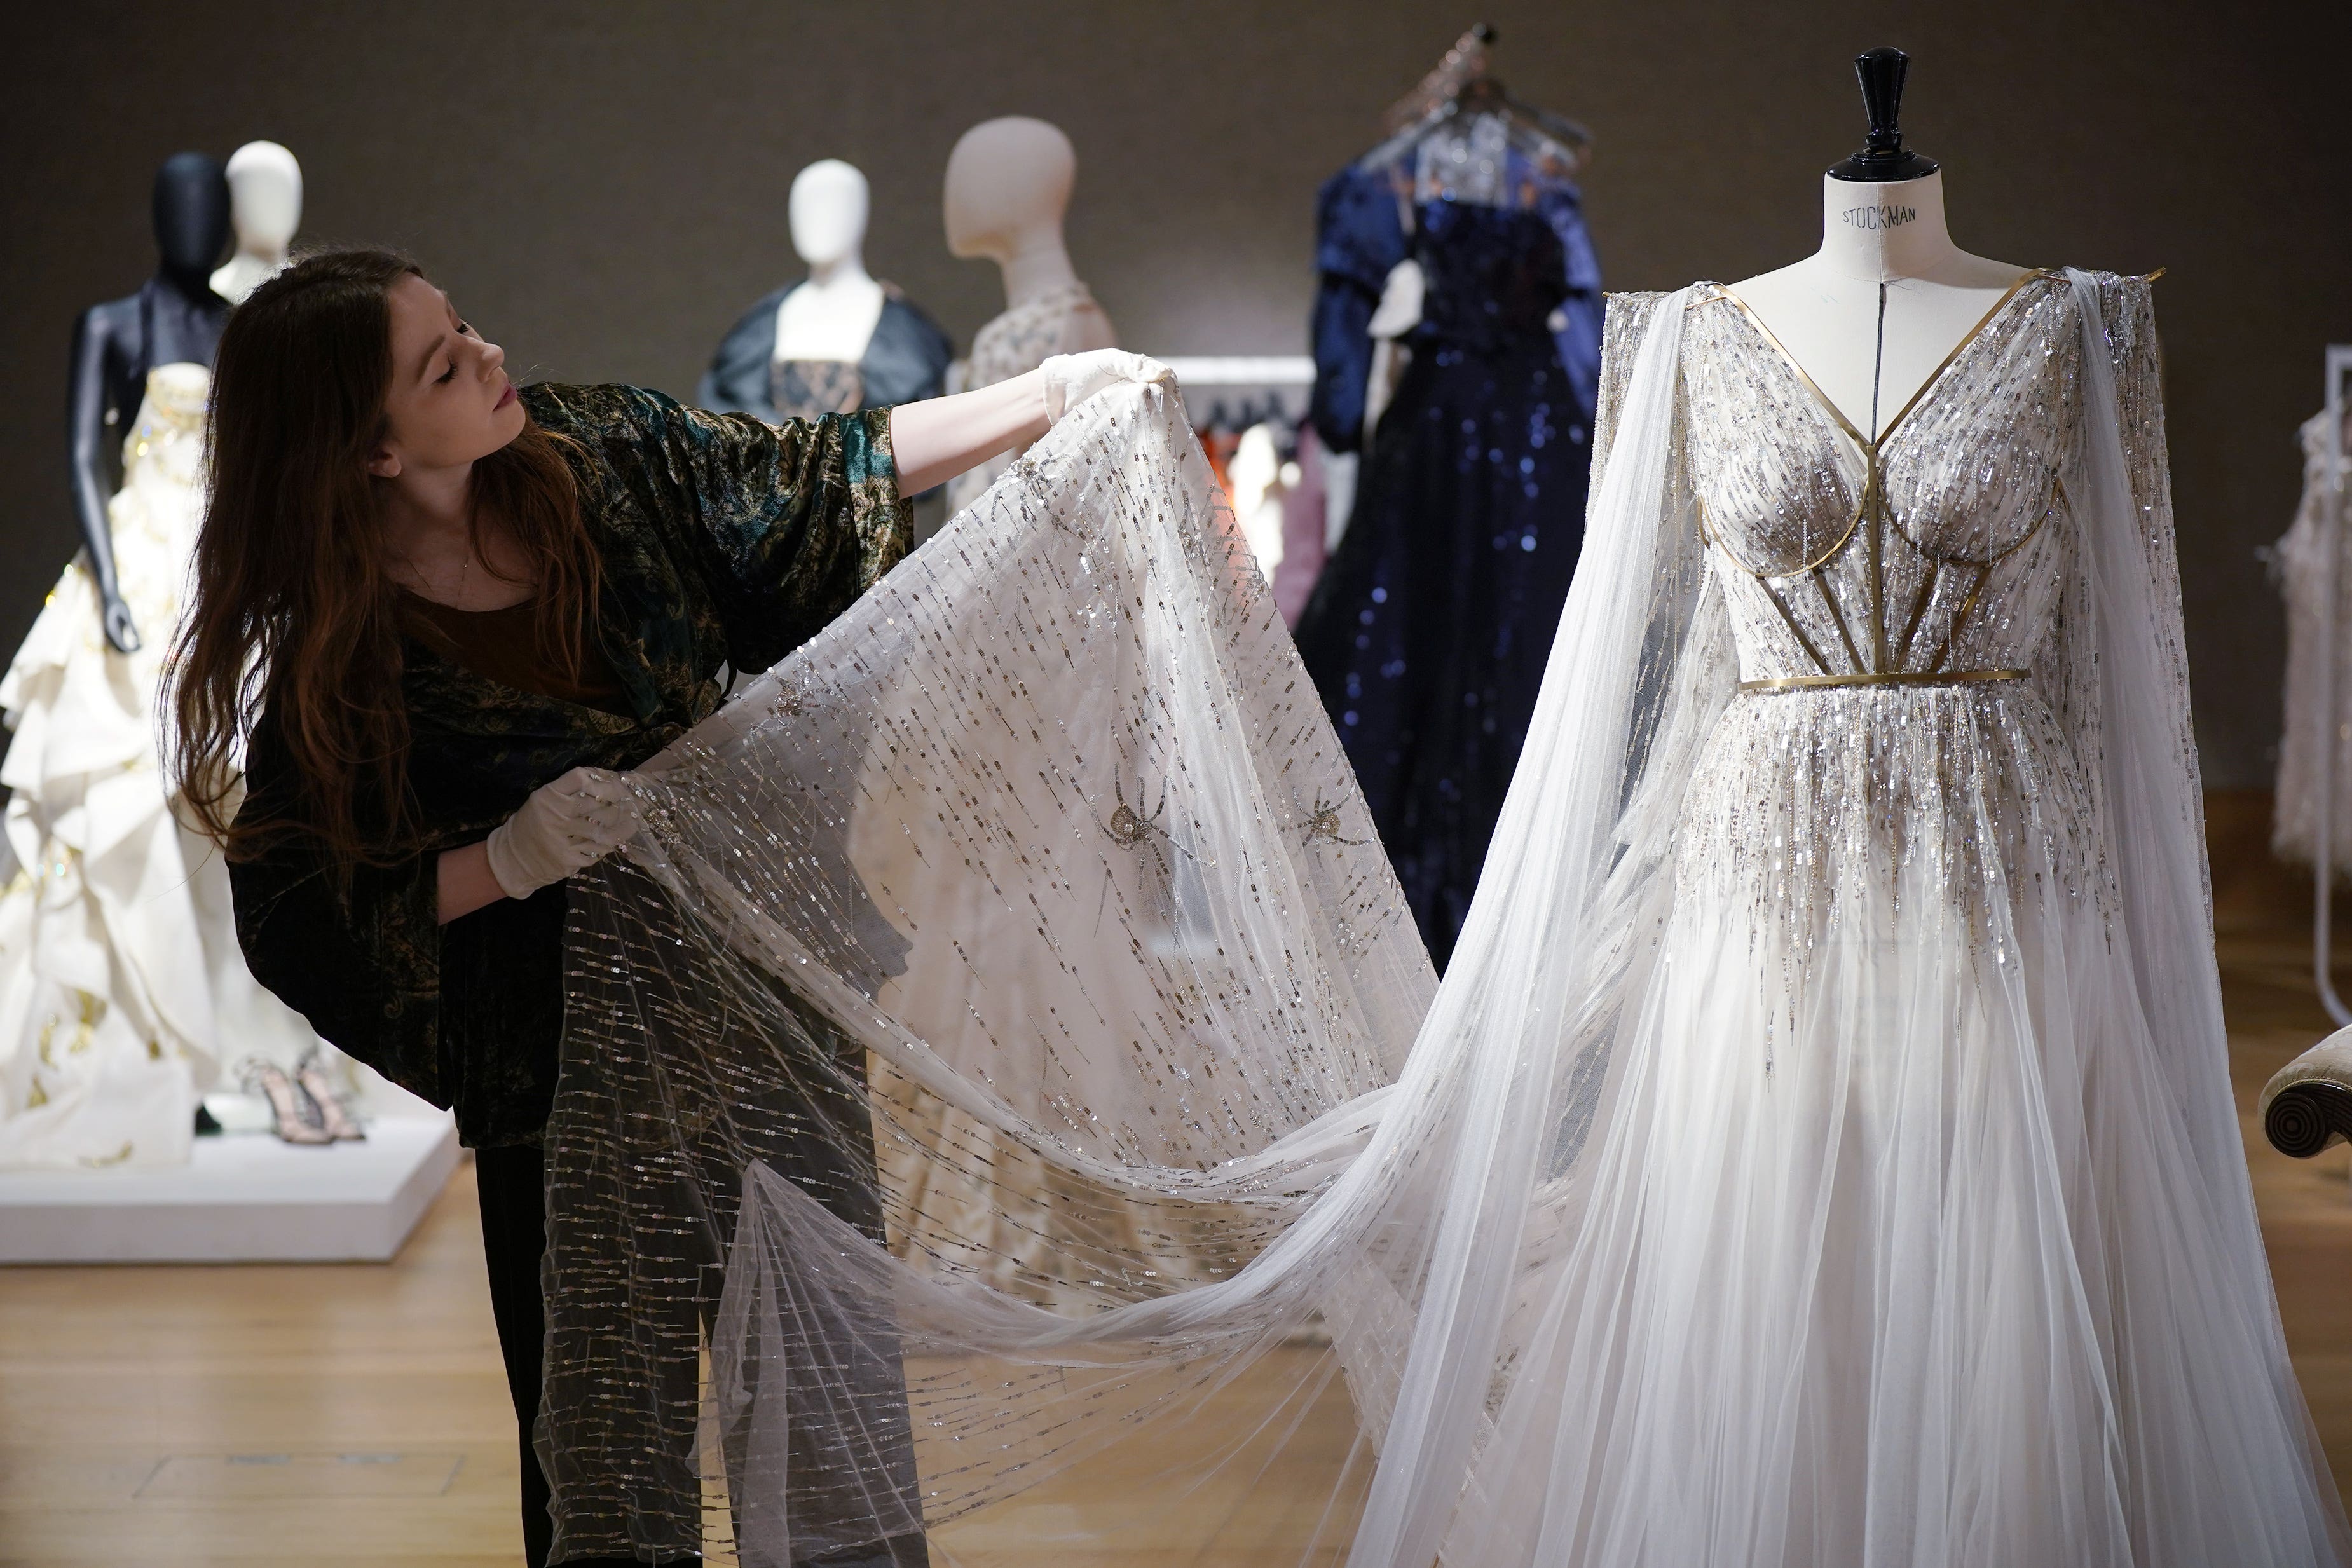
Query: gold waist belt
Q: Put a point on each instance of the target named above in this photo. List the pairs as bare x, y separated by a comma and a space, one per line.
1899, 678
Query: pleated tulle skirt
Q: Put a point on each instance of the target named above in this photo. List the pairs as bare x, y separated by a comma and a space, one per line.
1896, 1251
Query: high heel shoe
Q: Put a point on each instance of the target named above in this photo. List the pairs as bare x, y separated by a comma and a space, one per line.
334, 1118
268, 1080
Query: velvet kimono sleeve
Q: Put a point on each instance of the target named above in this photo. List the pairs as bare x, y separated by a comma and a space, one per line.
465, 1015
358, 954
779, 527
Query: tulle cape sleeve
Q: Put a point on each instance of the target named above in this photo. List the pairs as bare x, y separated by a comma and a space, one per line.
2126, 690
1005, 1041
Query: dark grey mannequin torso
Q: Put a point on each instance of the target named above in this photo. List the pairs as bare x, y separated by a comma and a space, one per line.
175, 318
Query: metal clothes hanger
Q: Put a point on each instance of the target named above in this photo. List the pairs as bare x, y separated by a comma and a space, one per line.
1461, 89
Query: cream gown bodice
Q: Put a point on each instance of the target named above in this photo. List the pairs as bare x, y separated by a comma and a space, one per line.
1900, 615
156, 513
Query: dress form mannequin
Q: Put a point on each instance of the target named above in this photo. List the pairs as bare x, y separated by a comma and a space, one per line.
1873, 314
265, 197
1008, 186
839, 339
833, 315
175, 317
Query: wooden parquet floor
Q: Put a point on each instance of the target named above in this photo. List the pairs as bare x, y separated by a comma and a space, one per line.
357, 1414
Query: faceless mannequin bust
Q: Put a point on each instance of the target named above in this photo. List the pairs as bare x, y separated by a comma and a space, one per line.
1008, 186
835, 342
265, 192
1874, 313
833, 315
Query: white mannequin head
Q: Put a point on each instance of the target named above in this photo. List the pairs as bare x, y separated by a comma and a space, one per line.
828, 210
264, 192
1008, 184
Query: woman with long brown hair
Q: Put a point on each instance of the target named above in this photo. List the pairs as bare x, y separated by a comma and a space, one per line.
432, 611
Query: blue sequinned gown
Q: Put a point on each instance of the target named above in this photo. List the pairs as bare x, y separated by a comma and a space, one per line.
1429, 629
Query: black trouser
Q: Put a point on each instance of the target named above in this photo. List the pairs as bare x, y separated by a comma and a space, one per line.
513, 1186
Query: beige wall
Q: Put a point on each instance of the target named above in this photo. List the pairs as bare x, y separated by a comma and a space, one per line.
602, 183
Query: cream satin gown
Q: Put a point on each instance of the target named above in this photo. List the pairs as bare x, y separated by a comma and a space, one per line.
123, 994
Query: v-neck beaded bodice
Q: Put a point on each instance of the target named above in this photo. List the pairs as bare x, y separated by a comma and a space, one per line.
1933, 552
1898, 613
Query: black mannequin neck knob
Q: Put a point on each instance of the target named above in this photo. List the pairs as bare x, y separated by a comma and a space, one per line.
1883, 157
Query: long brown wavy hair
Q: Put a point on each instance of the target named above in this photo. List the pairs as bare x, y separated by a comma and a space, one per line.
294, 624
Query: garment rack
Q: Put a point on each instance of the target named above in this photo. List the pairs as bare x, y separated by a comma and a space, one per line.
1284, 377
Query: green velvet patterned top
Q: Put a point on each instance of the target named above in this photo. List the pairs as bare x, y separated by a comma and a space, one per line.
725, 542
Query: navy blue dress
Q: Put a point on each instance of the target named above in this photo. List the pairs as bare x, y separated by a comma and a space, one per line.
1428, 632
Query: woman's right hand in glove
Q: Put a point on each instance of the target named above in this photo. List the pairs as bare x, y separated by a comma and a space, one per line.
564, 827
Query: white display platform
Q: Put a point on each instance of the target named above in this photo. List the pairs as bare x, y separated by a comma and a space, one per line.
241, 1198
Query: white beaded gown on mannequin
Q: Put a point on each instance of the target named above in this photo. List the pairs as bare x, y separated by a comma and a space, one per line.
1820, 1153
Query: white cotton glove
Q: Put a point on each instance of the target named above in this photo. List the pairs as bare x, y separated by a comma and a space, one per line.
1071, 379
564, 827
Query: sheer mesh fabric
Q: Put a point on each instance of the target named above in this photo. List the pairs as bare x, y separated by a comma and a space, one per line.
1024, 928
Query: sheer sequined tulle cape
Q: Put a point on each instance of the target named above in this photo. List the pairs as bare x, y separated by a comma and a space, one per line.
1002, 1053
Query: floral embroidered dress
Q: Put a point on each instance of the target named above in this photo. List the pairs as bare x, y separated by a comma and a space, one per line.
1016, 341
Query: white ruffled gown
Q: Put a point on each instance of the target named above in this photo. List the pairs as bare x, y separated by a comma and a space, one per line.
122, 989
